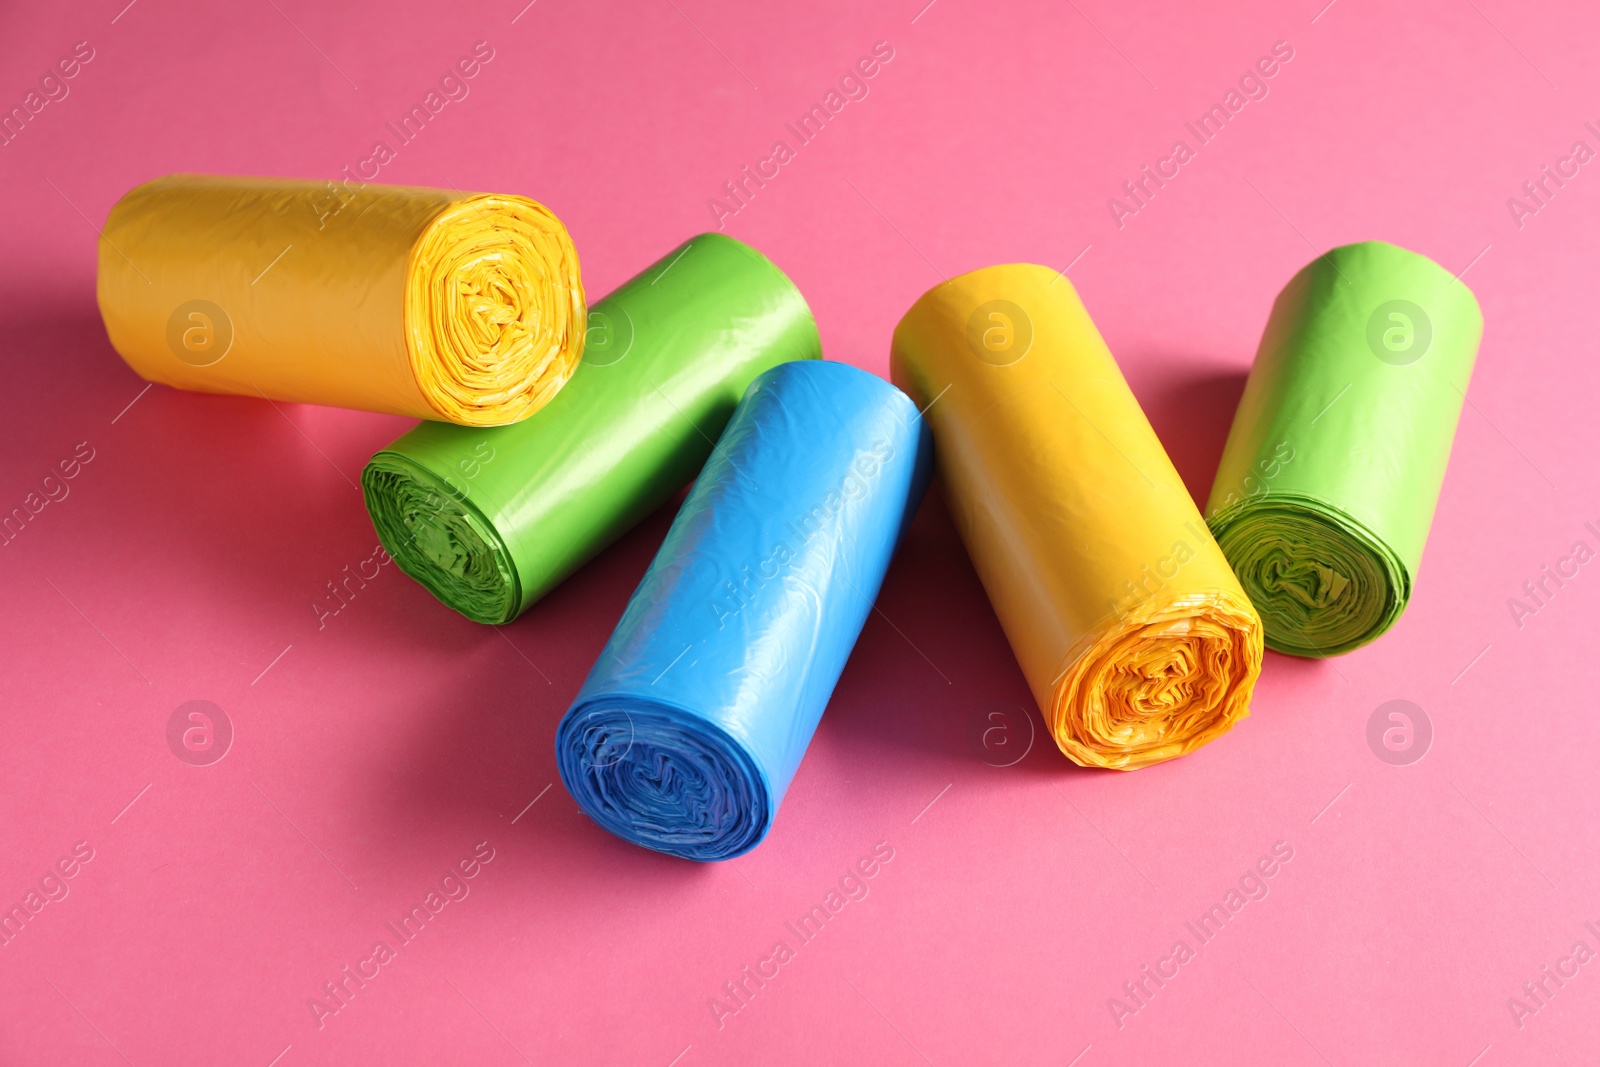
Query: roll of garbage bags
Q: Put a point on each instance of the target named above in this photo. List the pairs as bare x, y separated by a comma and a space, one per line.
1130, 628
462, 307
1332, 470
689, 729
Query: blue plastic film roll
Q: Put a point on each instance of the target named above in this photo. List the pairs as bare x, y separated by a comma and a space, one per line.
688, 730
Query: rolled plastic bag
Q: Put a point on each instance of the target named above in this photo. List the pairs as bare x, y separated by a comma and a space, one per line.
688, 730
490, 520
1132, 632
463, 307
1333, 467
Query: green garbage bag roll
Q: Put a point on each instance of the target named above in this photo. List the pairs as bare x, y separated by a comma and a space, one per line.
1331, 472
491, 519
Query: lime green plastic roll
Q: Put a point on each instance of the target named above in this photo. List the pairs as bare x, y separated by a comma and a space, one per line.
491, 519
1331, 472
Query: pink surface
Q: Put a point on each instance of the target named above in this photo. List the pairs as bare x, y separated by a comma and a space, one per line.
371, 756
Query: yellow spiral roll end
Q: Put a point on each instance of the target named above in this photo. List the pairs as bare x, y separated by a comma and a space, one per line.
1159, 683
494, 310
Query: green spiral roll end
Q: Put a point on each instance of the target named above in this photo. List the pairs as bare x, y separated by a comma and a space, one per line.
439, 538
1323, 583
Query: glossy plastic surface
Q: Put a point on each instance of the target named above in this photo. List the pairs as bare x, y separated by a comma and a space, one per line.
464, 307
1133, 633
1333, 466
689, 728
489, 520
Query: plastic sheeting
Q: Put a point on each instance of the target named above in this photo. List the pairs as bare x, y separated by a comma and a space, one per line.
1132, 632
1333, 467
464, 307
690, 726
489, 520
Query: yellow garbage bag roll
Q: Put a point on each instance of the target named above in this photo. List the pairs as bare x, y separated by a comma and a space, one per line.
458, 307
1132, 631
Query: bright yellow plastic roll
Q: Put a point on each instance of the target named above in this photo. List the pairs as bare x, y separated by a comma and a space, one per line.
459, 307
1132, 631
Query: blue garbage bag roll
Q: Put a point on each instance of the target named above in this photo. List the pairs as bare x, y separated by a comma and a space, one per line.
692, 723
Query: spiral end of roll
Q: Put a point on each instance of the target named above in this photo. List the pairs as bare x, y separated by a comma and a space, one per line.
436, 536
1322, 583
663, 779
1158, 683
494, 310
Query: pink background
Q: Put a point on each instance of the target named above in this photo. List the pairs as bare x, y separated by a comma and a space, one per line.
373, 754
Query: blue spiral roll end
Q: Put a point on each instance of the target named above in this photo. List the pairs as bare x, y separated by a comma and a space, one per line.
663, 778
